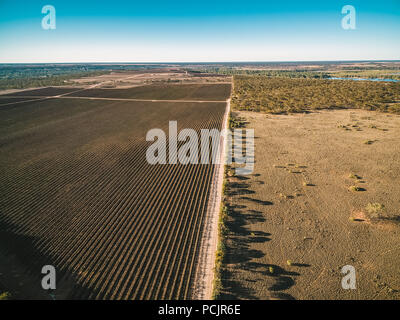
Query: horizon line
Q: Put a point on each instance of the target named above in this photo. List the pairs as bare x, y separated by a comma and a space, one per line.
205, 62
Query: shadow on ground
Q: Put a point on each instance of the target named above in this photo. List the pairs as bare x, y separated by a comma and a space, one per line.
240, 255
23, 268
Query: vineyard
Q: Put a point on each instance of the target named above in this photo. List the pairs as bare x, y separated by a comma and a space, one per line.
168, 92
76, 192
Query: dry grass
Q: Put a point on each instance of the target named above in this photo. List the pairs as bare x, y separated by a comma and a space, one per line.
328, 226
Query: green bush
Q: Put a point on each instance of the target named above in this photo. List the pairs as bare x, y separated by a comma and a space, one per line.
5, 296
288, 95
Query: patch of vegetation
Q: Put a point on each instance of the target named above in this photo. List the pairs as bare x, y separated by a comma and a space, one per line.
354, 176
5, 296
271, 270
289, 95
375, 209
367, 74
59, 80
235, 122
43, 75
224, 187
229, 172
226, 70
356, 189
303, 70
220, 254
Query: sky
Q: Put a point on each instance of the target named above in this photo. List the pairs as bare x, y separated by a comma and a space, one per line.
198, 31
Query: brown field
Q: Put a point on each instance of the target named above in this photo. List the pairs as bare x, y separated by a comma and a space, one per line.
7, 100
76, 192
49, 91
296, 221
130, 79
162, 92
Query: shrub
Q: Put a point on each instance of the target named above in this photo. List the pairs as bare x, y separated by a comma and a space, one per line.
375, 209
5, 296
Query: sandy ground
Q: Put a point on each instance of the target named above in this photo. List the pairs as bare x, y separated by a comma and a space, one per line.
203, 284
322, 226
134, 79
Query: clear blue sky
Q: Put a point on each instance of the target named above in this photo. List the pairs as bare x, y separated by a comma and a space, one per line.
198, 31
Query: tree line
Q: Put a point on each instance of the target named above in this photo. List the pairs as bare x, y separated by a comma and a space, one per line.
286, 95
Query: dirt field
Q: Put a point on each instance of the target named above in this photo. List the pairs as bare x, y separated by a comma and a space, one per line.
76, 192
297, 221
166, 92
49, 91
218, 92
132, 79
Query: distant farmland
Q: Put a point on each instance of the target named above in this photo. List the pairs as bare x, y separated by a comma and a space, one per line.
168, 92
76, 191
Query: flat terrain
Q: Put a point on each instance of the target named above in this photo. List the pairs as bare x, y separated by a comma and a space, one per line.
152, 76
162, 92
286, 95
49, 91
8, 100
77, 192
296, 221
